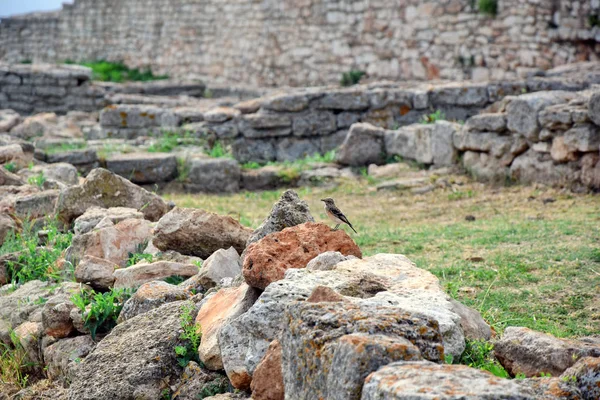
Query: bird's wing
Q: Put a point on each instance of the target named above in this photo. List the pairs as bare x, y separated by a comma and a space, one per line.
338, 214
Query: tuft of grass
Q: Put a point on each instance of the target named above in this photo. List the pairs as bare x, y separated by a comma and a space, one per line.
479, 354
135, 258
168, 142
32, 260
37, 180
488, 7
217, 386
11, 167
191, 335
107, 71
64, 147
218, 150
101, 310
351, 77
15, 365
183, 170
432, 118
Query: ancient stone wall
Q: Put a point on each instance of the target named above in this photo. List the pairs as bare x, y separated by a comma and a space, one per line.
32, 89
307, 42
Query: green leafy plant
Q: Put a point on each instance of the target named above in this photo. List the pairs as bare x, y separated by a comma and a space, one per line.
459, 195
11, 167
118, 72
101, 310
488, 7
432, 118
218, 386
175, 279
251, 165
32, 261
351, 77
37, 180
135, 258
219, 151
167, 142
191, 335
208, 94
478, 354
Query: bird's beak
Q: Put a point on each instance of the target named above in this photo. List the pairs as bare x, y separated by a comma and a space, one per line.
322, 200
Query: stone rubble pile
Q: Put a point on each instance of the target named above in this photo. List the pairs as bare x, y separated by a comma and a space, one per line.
288, 311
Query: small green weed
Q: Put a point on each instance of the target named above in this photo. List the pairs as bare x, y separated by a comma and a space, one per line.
183, 170
433, 117
165, 394
191, 334
251, 165
11, 167
175, 279
167, 142
459, 195
352, 77
33, 261
37, 180
478, 354
218, 386
488, 7
219, 151
104, 308
106, 71
15, 365
208, 94
135, 258
64, 147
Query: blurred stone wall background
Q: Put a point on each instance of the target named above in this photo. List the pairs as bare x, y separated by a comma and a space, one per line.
308, 42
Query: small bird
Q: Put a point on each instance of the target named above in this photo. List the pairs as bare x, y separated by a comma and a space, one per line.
335, 214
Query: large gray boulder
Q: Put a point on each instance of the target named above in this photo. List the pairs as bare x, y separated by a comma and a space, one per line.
214, 175
291, 149
64, 357
199, 233
531, 167
149, 296
59, 172
93, 215
333, 368
144, 168
104, 189
384, 279
364, 145
523, 112
522, 350
220, 265
487, 122
135, 359
288, 211
426, 380
594, 108
38, 205
426, 144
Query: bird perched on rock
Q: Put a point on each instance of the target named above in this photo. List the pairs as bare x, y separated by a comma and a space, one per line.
335, 214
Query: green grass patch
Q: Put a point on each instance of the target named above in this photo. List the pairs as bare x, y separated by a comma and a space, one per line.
290, 171
11, 167
351, 77
33, 261
479, 354
37, 180
64, 147
191, 335
488, 7
432, 118
101, 310
106, 71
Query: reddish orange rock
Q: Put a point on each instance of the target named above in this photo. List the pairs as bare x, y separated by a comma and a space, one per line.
267, 260
267, 381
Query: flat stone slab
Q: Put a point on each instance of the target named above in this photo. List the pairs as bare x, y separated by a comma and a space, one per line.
144, 167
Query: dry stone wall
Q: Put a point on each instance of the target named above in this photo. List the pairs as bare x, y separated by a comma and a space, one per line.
308, 42
30, 89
